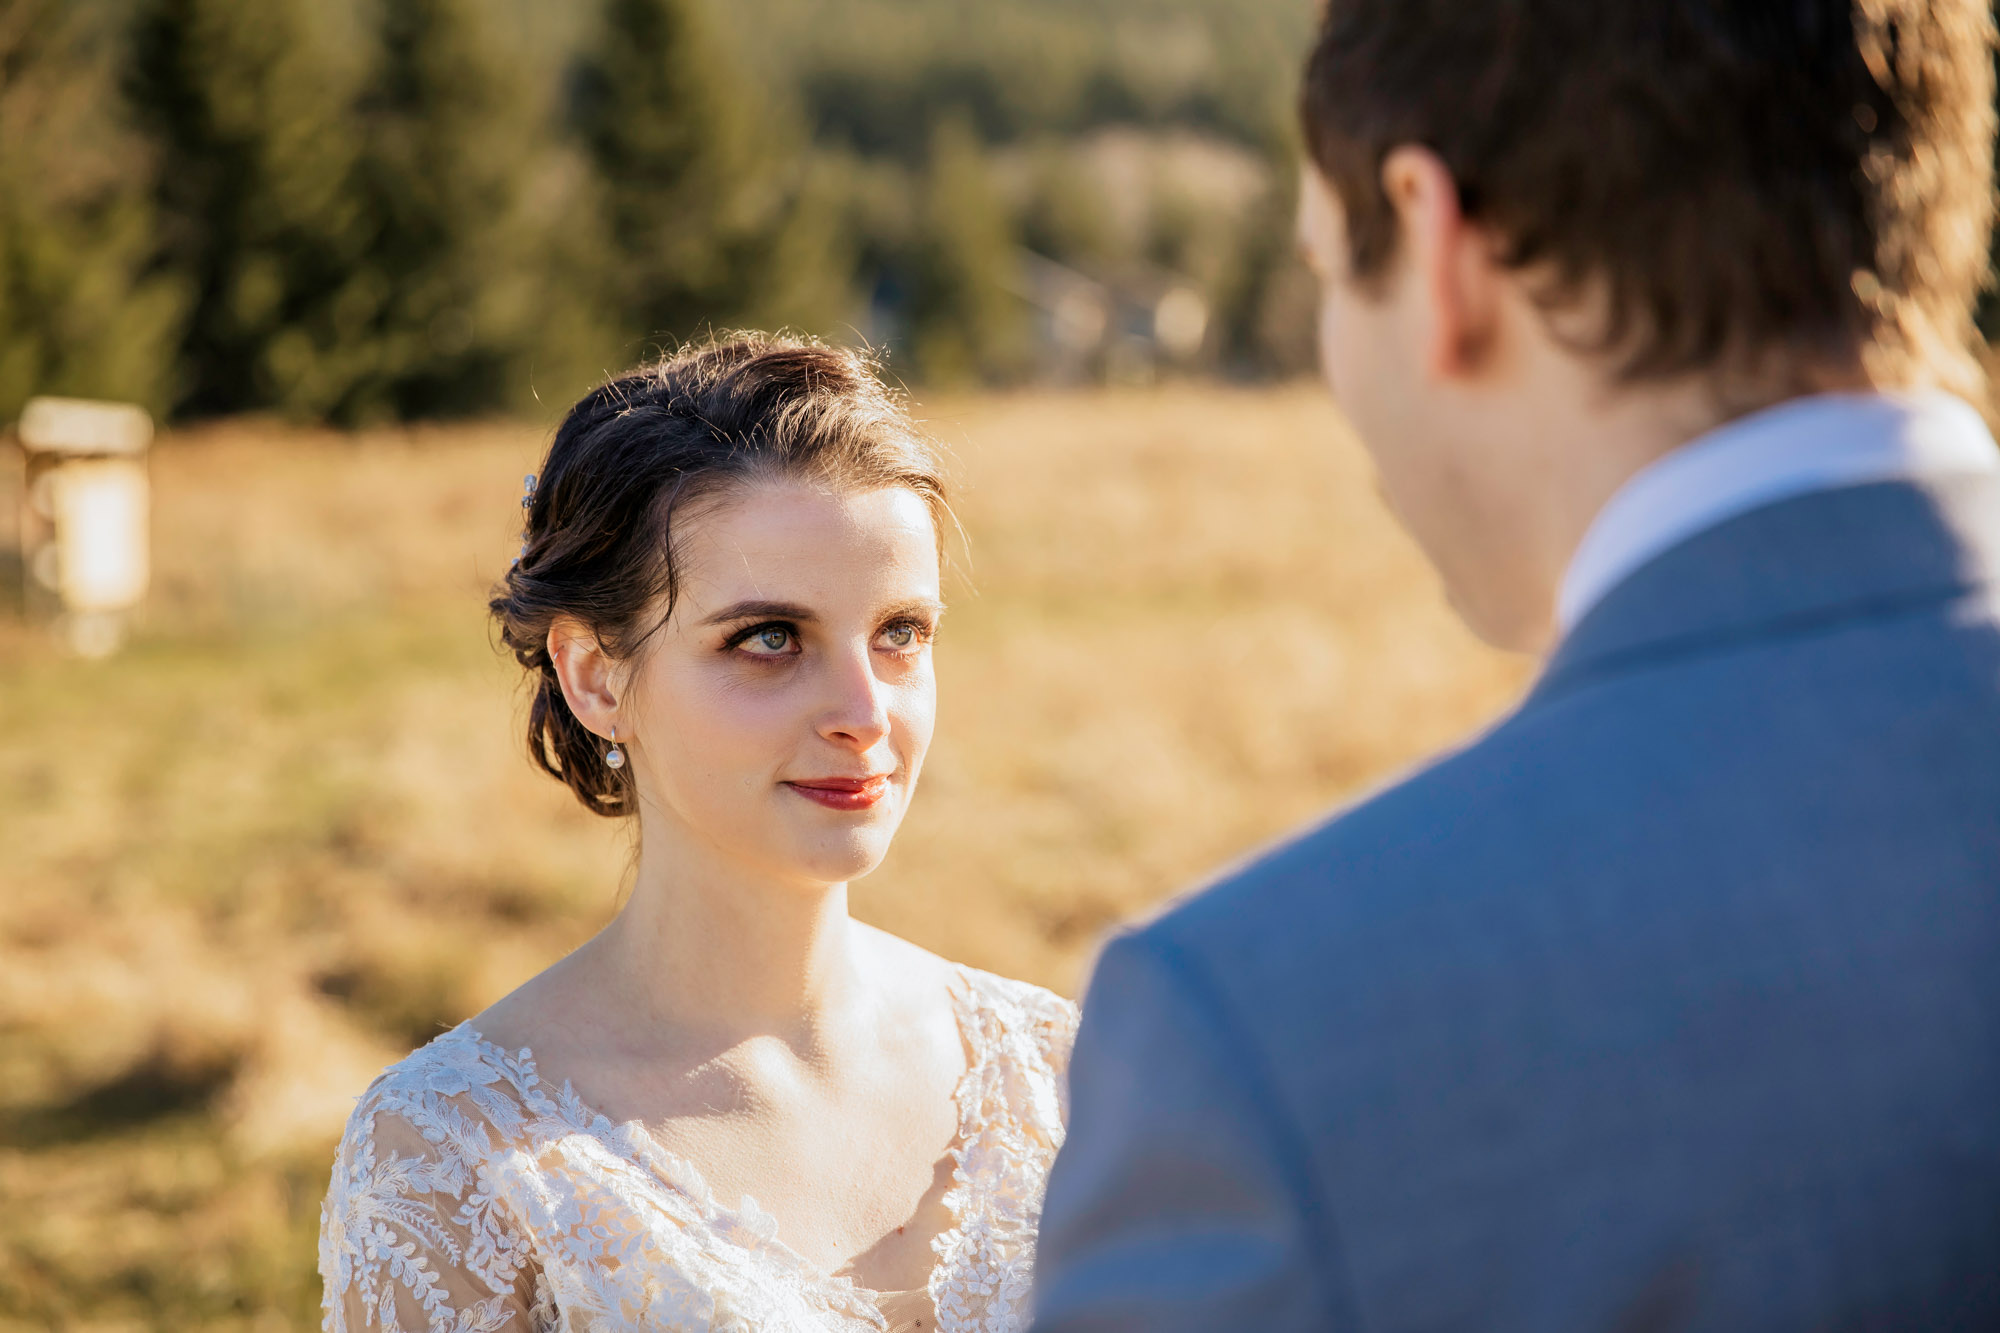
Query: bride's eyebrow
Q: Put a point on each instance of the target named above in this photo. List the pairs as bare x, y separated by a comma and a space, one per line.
760, 611
918, 606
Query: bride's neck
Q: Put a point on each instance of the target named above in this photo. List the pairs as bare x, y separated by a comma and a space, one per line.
699, 948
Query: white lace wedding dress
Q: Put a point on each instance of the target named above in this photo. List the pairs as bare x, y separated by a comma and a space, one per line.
469, 1195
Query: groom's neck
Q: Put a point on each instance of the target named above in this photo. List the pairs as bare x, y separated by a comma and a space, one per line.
1562, 437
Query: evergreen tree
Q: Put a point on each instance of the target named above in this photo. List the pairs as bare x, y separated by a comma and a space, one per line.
965, 324
1266, 306
453, 141
79, 312
711, 212
251, 104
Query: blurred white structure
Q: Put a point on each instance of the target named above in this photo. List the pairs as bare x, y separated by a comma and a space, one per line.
1125, 327
85, 529
1180, 323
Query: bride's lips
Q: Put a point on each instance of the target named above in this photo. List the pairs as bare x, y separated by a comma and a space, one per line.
843, 793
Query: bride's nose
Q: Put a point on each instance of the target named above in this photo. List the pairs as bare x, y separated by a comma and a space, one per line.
855, 712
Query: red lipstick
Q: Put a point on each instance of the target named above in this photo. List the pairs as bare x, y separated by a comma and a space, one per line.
843, 793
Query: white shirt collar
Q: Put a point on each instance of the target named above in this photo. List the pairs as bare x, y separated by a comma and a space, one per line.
1807, 444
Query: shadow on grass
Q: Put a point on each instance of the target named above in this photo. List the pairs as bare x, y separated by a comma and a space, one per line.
142, 1096
409, 1009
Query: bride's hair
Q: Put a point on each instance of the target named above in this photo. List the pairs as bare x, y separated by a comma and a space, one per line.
642, 452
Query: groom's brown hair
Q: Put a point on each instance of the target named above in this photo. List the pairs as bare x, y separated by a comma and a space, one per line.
1750, 187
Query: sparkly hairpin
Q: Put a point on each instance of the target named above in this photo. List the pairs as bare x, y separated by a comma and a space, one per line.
527, 503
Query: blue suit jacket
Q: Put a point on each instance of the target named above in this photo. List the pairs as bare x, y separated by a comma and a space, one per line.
1671, 1003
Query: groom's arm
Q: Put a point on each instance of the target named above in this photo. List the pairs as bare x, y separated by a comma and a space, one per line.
1181, 1200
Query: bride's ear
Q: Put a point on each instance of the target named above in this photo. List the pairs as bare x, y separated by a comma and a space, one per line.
591, 682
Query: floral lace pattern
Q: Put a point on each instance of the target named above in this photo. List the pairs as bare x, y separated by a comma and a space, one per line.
469, 1196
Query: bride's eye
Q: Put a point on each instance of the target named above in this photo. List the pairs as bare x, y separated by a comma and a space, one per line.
903, 636
768, 641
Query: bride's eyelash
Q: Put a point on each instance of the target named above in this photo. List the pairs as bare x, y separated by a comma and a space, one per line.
749, 632
925, 631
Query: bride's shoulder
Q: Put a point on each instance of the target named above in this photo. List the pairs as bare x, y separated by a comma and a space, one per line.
453, 1094
1021, 1035
1026, 1017
1002, 1006
1024, 1001
411, 1234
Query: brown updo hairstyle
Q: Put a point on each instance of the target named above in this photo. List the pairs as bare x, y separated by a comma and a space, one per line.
635, 454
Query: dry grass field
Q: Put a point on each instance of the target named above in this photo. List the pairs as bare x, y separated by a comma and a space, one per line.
289, 832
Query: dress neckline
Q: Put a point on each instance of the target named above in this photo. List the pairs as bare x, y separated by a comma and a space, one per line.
749, 1218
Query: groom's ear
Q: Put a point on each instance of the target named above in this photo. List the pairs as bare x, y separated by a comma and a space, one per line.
1454, 276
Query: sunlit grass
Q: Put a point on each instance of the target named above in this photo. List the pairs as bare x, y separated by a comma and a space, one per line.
290, 831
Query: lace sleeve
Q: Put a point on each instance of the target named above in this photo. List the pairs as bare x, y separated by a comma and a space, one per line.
1056, 1028
1051, 1022
409, 1239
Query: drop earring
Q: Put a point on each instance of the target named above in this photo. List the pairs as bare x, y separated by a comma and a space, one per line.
614, 758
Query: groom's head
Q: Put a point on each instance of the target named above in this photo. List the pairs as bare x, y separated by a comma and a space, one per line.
1557, 238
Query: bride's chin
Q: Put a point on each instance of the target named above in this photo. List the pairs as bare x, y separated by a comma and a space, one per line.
837, 859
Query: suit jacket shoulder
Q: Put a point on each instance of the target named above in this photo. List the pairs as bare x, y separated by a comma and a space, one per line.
1674, 993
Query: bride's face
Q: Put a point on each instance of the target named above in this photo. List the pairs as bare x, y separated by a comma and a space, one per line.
781, 717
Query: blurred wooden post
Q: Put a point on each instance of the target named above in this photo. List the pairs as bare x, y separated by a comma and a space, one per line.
85, 529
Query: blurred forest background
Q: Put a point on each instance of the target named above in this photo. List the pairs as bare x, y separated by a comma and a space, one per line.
351, 211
